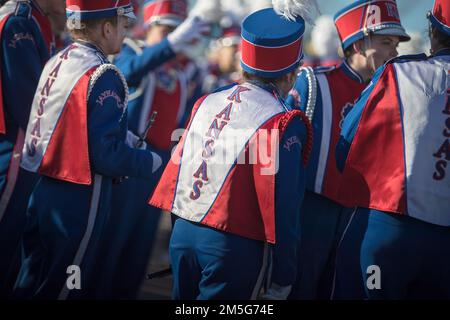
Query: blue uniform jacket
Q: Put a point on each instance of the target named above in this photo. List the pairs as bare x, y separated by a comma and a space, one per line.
136, 62
301, 87
24, 54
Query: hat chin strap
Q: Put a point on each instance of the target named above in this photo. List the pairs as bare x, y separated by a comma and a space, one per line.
367, 45
368, 40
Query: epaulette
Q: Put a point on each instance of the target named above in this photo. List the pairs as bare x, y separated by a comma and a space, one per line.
312, 91
100, 71
408, 57
309, 131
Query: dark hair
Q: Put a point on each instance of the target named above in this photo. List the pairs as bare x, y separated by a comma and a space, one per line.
249, 76
349, 51
441, 38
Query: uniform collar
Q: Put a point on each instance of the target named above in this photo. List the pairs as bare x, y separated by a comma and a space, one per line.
352, 74
92, 46
271, 88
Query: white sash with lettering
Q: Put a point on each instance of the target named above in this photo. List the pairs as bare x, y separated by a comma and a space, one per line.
7, 9
423, 89
257, 106
80, 60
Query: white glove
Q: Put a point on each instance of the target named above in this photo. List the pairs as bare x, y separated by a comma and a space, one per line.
193, 28
132, 140
157, 162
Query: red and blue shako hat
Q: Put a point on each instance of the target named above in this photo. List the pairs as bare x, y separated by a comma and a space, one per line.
271, 44
98, 9
165, 12
440, 16
365, 17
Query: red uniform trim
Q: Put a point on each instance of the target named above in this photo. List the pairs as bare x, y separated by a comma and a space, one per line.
261, 58
245, 204
375, 166
165, 190
67, 155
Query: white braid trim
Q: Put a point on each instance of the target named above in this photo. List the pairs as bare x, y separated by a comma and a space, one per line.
312, 92
100, 71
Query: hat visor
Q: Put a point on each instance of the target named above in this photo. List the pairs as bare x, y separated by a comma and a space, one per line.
130, 15
398, 32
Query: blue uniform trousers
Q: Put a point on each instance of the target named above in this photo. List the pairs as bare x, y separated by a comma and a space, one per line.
322, 223
130, 236
12, 226
413, 257
348, 279
208, 264
64, 228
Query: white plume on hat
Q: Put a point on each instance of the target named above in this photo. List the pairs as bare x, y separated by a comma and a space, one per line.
291, 9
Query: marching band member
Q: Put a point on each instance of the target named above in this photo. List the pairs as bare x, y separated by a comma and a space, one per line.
158, 83
76, 142
27, 42
395, 148
327, 95
238, 208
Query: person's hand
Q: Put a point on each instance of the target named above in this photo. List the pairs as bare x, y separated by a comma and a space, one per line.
192, 29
